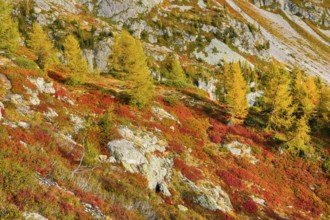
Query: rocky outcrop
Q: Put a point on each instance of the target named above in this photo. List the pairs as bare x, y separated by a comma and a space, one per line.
2, 110
209, 86
123, 10
43, 86
97, 58
241, 150
310, 10
67, 5
162, 114
135, 154
209, 196
33, 216
124, 152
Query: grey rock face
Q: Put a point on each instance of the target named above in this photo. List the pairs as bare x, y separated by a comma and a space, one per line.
157, 173
68, 5
2, 107
98, 58
124, 151
135, 154
305, 9
101, 54
209, 86
43, 86
210, 197
123, 10
89, 55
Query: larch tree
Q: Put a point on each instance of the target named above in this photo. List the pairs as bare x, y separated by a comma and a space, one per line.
223, 80
323, 109
42, 46
130, 63
125, 55
278, 100
172, 69
236, 97
305, 94
300, 143
74, 59
9, 35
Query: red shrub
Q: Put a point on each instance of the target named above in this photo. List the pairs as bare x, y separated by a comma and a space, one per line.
179, 164
192, 173
229, 178
118, 212
88, 197
107, 101
217, 132
60, 92
22, 197
41, 135
178, 148
124, 111
183, 113
3, 112
250, 207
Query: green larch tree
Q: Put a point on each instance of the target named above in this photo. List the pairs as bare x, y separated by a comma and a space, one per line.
42, 46
171, 69
9, 35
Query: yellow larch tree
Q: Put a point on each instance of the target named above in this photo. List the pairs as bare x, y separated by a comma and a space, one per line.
300, 143
130, 63
278, 100
236, 97
42, 46
9, 35
74, 59
306, 96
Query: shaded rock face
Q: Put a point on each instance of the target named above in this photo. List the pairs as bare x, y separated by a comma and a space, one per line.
135, 154
209, 87
97, 59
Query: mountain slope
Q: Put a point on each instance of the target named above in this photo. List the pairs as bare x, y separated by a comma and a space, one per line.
81, 150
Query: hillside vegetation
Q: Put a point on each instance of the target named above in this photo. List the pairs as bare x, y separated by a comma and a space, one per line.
161, 110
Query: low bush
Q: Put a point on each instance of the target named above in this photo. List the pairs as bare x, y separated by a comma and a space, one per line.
250, 207
230, 179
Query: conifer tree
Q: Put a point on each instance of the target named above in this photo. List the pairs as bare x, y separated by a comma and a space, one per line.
9, 36
172, 70
130, 63
305, 94
125, 55
236, 97
323, 108
41, 44
223, 82
278, 100
301, 138
74, 59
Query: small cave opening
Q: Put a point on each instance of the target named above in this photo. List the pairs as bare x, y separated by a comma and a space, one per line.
158, 188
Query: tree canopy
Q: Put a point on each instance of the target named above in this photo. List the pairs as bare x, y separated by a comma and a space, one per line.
42, 46
9, 35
